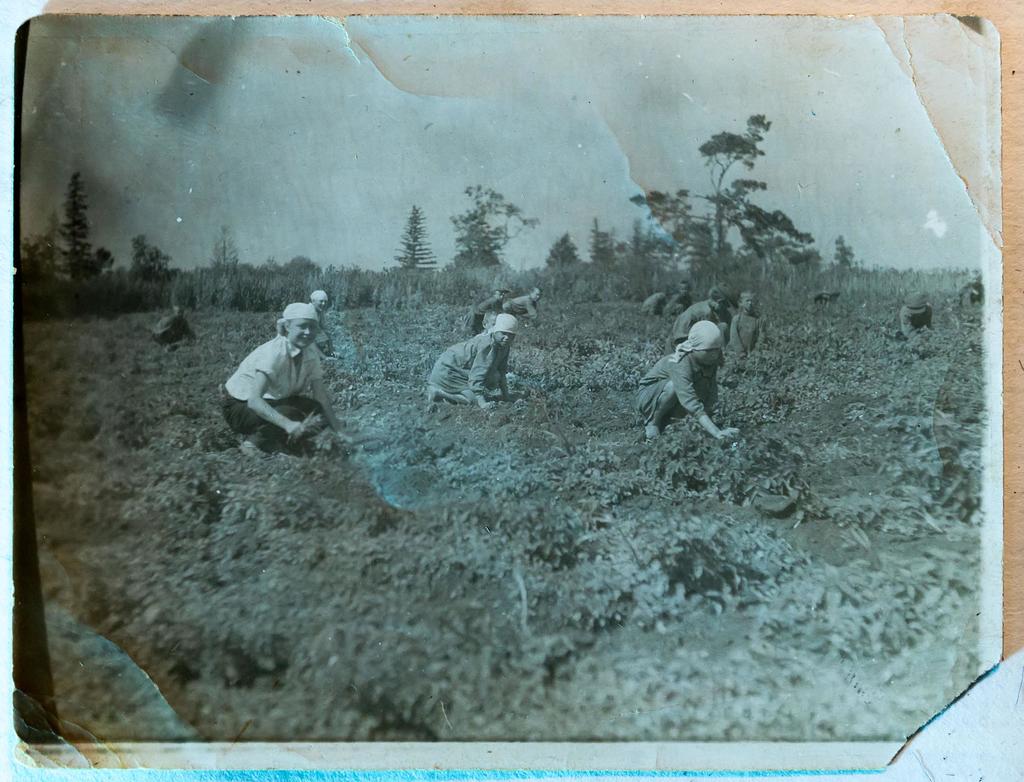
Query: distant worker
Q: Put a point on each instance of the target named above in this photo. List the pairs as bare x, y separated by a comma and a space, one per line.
679, 300
824, 298
654, 304
715, 309
915, 314
472, 371
266, 400
491, 304
173, 328
972, 293
746, 326
685, 383
321, 302
523, 306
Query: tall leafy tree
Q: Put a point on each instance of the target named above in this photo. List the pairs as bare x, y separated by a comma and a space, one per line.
483, 231
415, 252
80, 262
732, 207
563, 253
721, 153
690, 233
225, 251
148, 261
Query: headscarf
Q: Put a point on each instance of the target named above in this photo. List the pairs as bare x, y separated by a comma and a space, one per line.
506, 323
916, 301
302, 310
318, 296
704, 335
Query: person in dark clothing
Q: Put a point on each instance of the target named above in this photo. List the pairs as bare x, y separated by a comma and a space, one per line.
492, 303
714, 309
746, 326
523, 306
173, 328
972, 293
678, 301
915, 314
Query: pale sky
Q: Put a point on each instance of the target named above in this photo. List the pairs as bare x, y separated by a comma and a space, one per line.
315, 137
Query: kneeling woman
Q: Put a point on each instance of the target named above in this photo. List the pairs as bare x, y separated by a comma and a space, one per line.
685, 383
473, 370
264, 399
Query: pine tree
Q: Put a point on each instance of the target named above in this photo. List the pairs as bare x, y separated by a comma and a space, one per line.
844, 254
563, 253
602, 246
225, 251
415, 252
79, 261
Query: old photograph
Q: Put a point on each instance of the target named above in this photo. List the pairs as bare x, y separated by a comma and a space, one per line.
492, 379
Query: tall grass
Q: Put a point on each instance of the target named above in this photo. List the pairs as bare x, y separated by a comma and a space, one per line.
261, 289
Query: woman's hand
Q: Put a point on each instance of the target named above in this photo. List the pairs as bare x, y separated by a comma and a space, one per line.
299, 429
728, 433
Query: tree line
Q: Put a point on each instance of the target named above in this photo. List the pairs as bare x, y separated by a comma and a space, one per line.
681, 230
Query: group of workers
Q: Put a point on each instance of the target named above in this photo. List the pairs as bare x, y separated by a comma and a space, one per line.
277, 395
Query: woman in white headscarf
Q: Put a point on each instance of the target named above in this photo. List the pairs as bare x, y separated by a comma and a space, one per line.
267, 399
471, 371
324, 344
685, 382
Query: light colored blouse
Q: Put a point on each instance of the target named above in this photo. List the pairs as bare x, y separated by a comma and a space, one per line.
289, 370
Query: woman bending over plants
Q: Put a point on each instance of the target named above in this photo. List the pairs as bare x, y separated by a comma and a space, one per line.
264, 399
472, 371
685, 382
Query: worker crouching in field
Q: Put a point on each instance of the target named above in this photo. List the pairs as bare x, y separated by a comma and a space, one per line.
493, 303
523, 306
679, 300
654, 304
714, 309
323, 341
972, 293
263, 399
915, 314
173, 328
746, 326
472, 371
685, 383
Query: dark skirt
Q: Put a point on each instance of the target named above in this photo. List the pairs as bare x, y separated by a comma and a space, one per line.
267, 436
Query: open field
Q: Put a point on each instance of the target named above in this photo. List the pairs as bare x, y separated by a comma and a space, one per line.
536, 572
